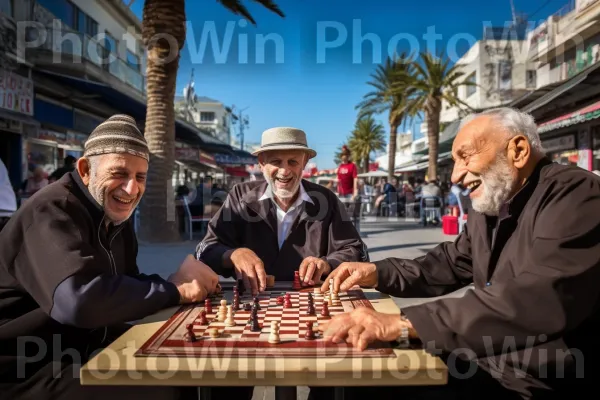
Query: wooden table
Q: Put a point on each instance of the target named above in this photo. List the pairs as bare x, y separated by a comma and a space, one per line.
116, 364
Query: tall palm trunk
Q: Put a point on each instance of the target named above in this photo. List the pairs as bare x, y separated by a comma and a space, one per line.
432, 115
366, 161
392, 150
164, 35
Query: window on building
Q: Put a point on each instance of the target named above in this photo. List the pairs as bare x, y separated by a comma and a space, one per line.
91, 27
133, 60
6, 7
531, 77
471, 89
207, 116
110, 43
61, 9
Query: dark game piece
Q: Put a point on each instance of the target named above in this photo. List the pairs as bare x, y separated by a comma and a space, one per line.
310, 334
325, 310
287, 303
311, 309
208, 306
297, 285
240, 286
247, 306
236, 303
254, 325
280, 300
253, 315
203, 320
256, 303
189, 336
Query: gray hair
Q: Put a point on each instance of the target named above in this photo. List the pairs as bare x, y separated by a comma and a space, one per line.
514, 122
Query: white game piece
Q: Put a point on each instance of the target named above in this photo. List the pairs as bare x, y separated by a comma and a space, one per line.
317, 290
329, 301
331, 285
214, 332
229, 321
274, 335
224, 303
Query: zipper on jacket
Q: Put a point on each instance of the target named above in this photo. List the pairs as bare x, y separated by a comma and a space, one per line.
108, 253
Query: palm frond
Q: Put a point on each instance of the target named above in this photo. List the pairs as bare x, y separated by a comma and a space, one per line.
236, 7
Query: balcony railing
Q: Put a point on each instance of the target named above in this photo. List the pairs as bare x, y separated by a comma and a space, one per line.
80, 47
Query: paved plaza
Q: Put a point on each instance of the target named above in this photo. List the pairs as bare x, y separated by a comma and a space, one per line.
384, 238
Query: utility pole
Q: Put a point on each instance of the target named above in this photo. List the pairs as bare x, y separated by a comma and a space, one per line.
244, 122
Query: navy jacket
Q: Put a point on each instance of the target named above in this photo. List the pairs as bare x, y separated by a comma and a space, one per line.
62, 272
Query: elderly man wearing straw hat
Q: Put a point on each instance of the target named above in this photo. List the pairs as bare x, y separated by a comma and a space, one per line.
282, 224
69, 276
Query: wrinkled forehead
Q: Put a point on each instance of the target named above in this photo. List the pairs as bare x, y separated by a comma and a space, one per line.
477, 133
123, 161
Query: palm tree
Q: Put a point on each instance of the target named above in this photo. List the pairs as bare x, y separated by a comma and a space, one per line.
432, 81
163, 32
368, 136
388, 96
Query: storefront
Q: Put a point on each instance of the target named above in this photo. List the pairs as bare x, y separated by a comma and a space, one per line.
595, 133
16, 121
563, 149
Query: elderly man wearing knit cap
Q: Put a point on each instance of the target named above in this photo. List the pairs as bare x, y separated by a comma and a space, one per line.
69, 277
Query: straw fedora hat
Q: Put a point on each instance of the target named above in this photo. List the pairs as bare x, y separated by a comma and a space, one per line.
284, 138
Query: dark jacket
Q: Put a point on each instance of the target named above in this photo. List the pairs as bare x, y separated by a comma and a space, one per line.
322, 229
536, 275
63, 273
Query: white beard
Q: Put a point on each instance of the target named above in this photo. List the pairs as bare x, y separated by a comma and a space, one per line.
498, 183
282, 193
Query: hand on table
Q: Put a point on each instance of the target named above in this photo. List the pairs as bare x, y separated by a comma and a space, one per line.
311, 269
194, 280
349, 274
363, 326
250, 269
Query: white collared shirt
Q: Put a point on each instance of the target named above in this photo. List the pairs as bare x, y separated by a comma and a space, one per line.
8, 200
286, 219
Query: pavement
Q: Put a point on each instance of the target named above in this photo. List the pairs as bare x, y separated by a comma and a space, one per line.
384, 237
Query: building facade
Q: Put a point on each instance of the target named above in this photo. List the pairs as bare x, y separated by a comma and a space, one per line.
207, 114
566, 103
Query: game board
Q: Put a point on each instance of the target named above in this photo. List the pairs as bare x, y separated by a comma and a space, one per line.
240, 341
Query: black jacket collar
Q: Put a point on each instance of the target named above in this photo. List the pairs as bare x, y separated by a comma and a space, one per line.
90, 203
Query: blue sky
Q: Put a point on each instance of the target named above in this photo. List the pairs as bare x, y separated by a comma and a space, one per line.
311, 76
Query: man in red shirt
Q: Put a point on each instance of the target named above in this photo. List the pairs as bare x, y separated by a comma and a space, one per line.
347, 176
348, 186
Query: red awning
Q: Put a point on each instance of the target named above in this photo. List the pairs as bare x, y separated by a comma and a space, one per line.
585, 114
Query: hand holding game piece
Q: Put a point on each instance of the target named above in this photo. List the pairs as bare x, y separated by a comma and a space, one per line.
350, 274
312, 269
194, 280
250, 268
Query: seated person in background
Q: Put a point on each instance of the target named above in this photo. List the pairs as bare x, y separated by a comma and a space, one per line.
282, 224
531, 246
69, 166
68, 272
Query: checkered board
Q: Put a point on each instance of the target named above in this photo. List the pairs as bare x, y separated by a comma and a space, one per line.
240, 341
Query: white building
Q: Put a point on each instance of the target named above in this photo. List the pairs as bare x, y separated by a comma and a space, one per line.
501, 71
567, 42
208, 114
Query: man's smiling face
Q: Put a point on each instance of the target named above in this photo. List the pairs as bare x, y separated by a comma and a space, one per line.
481, 164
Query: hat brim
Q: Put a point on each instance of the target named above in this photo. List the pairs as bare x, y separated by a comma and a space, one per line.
311, 152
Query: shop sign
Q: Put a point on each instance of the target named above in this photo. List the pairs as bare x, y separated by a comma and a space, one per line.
583, 115
226, 159
53, 136
16, 93
11, 125
559, 144
188, 154
207, 159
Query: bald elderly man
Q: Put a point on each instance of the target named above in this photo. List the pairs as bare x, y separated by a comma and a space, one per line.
531, 247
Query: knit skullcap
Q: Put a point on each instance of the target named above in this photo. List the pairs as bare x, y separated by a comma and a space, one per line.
118, 134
